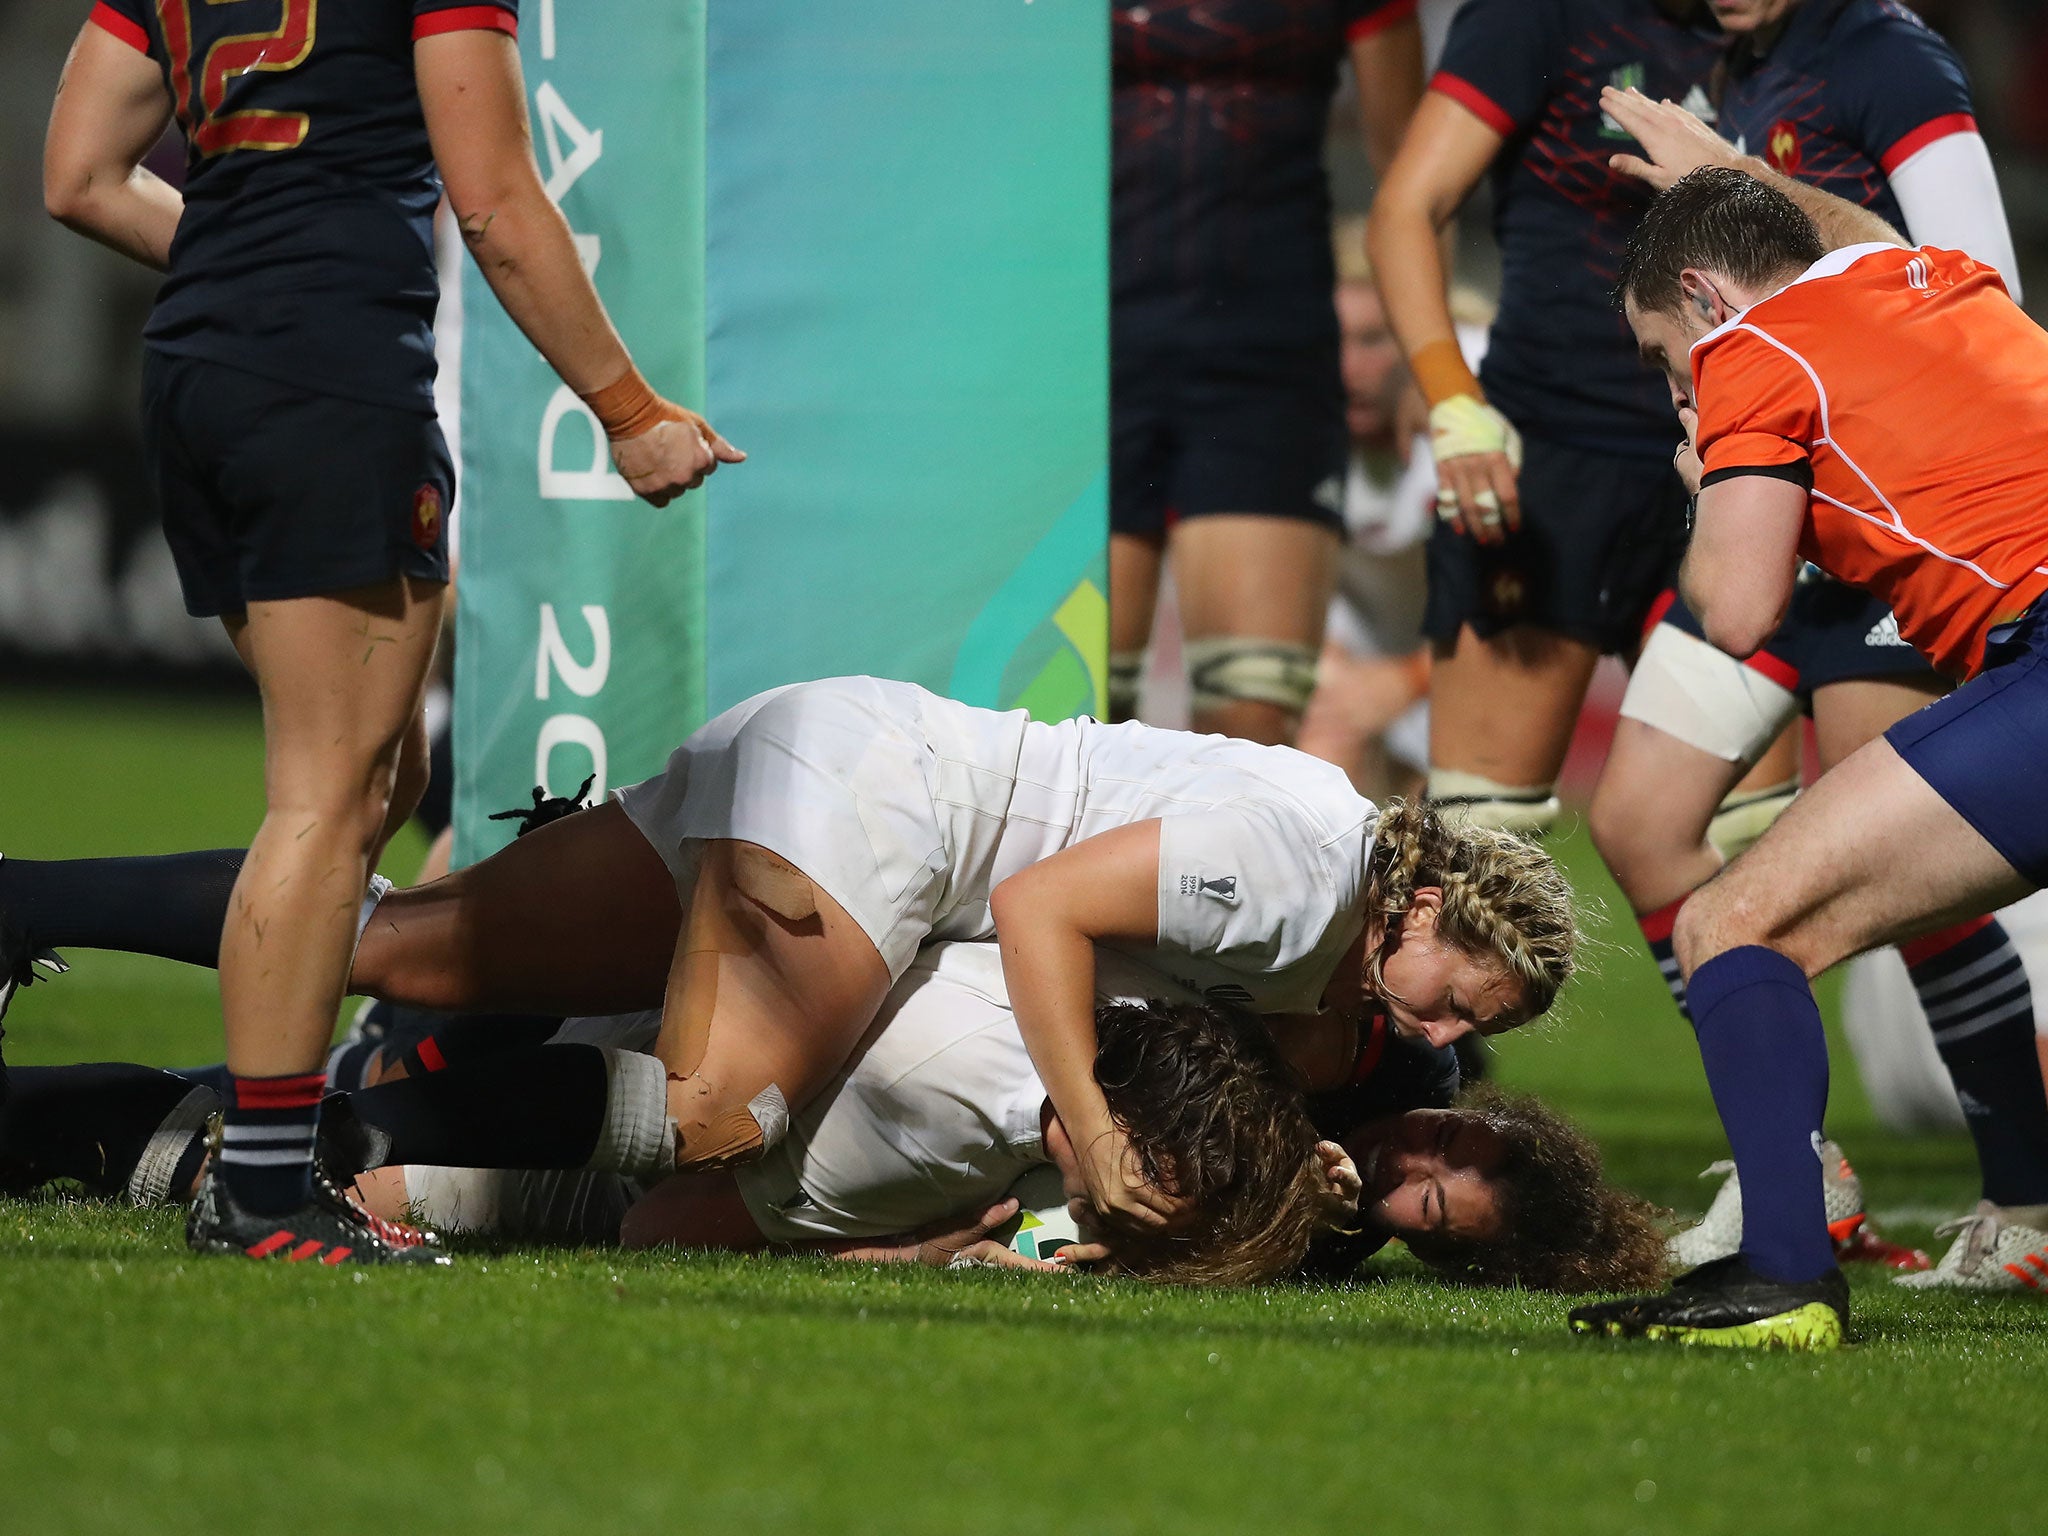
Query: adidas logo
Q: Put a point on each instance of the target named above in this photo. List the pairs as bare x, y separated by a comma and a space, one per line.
1329, 494
1885, 632
799, 1200
1697, 104
1228, 992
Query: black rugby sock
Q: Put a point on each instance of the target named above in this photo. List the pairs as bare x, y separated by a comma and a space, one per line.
538, 1108
465, 1037
1974, 991
174, 905
94, 1123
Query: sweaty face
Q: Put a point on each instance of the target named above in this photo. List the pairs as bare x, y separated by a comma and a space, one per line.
1372, 364
1434, 991
1431, 1170
1749, 15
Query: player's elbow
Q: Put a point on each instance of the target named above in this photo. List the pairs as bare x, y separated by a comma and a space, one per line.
67, 194
1740, 630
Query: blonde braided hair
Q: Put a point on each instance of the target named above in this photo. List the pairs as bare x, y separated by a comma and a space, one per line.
1504, 897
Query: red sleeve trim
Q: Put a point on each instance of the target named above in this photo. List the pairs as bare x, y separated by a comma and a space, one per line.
1475, 101
126, 28
465, 18
1379, 20
1924, 135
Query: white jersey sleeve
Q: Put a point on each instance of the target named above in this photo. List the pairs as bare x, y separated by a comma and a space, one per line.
1243, 885
1949, 195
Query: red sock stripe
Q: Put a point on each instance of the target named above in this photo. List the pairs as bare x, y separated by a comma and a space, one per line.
302, 1091
1658, 925
430, 1055
1920, 951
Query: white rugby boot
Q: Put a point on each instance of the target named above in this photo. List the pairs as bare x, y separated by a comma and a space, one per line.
1990, 1253
1719, 1232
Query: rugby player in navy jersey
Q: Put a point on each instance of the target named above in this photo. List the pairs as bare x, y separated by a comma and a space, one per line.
1859, 99
1226, 401
289, 423
1560, 518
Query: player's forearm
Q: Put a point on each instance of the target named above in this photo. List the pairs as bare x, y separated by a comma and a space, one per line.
1837, 221
1049, 968
136, 215
1408, 265
523, 247
1388, 67
1739, 605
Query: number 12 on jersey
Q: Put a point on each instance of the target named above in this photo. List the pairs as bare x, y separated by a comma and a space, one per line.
199, 99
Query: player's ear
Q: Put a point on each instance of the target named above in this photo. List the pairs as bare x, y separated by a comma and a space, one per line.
1424, 908
1703, 299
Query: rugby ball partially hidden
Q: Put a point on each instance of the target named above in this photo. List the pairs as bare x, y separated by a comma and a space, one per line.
1041, 1226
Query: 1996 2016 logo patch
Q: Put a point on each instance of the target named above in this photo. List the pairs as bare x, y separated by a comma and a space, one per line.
1222, 887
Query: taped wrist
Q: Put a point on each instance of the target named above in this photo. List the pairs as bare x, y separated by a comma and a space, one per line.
1529, 810
1467, 424
628, 406
1234, 669
1442, 373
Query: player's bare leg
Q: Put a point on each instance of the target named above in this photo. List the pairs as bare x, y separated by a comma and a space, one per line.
1501, 714
578, 916
773, 985
1135, 563
1357, 699
1254, 594
1651, 810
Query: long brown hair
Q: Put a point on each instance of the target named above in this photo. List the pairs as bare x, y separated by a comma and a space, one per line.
1563, 1226
1215, 1116
1504, 897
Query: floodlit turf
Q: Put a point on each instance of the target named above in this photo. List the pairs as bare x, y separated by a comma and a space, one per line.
144, 1390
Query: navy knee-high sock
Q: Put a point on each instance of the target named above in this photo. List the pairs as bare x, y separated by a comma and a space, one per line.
1657, 929
538, 1108
174, 905
1767, 1062
1974, 991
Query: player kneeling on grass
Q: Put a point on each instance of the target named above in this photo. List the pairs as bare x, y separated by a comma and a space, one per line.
770, 887
937, 1113
1879, 411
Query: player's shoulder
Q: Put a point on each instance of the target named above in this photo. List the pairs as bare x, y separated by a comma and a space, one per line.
1872, 38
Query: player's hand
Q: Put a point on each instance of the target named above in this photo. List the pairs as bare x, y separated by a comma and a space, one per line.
674, 455
1687, 460
1478, 454
946, 1239
1121, 1195
1673, 140
1337, 1200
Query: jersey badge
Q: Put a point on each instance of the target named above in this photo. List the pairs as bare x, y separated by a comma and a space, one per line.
1627, 77
1223, 887
1781, 147
426, 516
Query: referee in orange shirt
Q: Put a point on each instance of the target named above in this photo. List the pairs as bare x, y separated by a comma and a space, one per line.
1881, 412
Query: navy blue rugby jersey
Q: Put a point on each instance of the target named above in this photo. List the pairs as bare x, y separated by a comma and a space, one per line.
1560, 360
1220, 211
1844, 95
305, 253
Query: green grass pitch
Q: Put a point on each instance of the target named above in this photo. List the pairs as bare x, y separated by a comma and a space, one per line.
143, 1390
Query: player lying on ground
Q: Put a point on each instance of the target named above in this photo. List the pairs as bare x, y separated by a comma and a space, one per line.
938, 1112
1880, 411
770, 886
1863, 100
288, 421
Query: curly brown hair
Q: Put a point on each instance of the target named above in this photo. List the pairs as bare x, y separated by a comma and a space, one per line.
1504, 897
1563, 1226
1216, 1117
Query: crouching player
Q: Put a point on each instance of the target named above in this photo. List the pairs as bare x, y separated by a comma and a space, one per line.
1878, 410
939, 1113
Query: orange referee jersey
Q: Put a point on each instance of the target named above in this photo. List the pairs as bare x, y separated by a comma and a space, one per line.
1910, 393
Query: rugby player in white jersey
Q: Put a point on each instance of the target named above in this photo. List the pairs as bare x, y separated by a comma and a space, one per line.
770, 886
909, 1152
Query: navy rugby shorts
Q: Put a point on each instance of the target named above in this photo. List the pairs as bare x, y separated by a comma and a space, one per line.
270, 491
1984, 748
1600, 541
1833, 633
1198, 428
